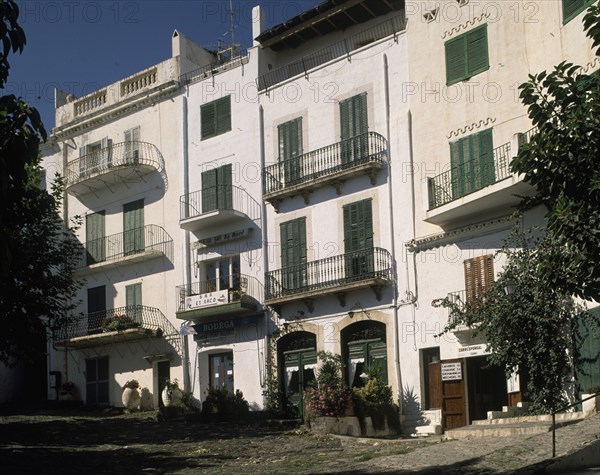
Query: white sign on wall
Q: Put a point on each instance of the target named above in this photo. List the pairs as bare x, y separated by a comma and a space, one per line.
451, 371
513, 384
206, 300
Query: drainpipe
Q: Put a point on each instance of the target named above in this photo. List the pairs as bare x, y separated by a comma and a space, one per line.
186, 244
65, 207
392, 237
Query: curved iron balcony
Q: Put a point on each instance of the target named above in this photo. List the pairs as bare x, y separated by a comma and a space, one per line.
134, 322
365, 153
215, 205
372, 267
124, 161
229, 296
128, 246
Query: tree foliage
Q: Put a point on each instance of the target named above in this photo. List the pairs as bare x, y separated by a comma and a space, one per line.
561, 162
37, 253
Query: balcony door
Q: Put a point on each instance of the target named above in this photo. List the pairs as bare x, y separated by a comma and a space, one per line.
223, 274
133, 227
96, 307
358, 239
290, 150
354, 127
472, 162
217, 189
132, 145
95, 239
293, 254
133, 302
96, 381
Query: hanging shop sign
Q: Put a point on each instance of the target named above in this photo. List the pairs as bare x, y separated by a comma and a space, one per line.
207, 300
452, 371
220, 238
473, 350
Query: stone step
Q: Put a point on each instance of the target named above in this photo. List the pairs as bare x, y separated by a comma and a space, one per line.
567, 416
504, 430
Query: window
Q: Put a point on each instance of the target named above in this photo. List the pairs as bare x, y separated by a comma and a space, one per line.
215, 117
95, 157
132, 145
221, 371
572, 8
467, 55
216, 189
479, 274
290, 149
358, 238
133, 302
95, 244
354, 126
293, 253
223, 274
133, 227
472, 162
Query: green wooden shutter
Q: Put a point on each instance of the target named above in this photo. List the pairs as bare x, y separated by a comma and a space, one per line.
133, 227
223, 112
209, 190
571, 9
293, 253
290, 149
587, 345
378, 358
358, 238
353, 127
224, 188
208, 116
133, 302
456, 172
477, 51
486, 158
456, 60
95, 242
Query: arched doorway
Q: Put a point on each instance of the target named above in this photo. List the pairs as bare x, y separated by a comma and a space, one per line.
297, 354
364, 348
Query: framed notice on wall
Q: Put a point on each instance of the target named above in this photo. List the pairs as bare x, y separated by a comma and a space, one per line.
452, 371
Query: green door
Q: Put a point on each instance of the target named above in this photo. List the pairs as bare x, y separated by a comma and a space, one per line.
217, 190
293, 254
587, 345
358, 239
133, 302
354, 127
300, 369
96, 381
95, 242
363, 356
133, 227
290, 150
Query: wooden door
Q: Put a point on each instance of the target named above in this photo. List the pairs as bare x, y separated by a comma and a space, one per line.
453, 399
434, 380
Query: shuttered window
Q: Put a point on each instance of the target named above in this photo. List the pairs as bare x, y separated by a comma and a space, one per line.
472, 162
293, 253
358, 239
132, 145
133, 302
479, 274
133, 227
217, 190
467, 55
95, 238
354, 126
215, 117
290, 149
572, 8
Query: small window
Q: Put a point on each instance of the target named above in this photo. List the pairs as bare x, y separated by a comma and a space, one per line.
467, 55
479, 275
572, 8
215, 117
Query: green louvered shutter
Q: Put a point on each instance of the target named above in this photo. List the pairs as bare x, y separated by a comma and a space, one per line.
133, 227
223, 113
456, 60
209, 190
95, 242
571, 8
290, 149
353, 128
587, 345
456, 173
293, 253
224, 188
486, 158
377, 353
208, 117
133, 301
477, 51
358, 238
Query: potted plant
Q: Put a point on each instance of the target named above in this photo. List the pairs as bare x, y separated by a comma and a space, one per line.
67, 391
171, 394
131, 395
118, 323
591, 405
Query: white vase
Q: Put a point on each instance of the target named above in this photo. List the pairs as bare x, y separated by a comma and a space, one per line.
131, 399
171, 398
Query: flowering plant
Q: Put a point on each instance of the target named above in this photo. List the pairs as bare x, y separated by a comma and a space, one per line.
118, 322
330, 395
131, 384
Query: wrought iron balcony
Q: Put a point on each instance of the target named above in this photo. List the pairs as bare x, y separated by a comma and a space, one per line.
337, 275
121, 162
365, 153
129, 246
525, 138
468, 178
216, 205
130, 323
229, 296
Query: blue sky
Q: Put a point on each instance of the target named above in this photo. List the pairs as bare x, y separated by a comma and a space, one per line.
80, 46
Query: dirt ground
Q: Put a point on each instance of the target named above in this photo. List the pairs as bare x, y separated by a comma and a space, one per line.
101, 443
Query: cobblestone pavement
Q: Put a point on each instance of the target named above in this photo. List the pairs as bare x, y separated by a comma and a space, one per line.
71, 443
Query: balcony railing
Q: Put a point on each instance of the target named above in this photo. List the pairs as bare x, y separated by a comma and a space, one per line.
214, 292
330, 273
525, 137
113, 158
468, 177
459, 298
218, 198
147, 320
368, 148
336, 50
151, 239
